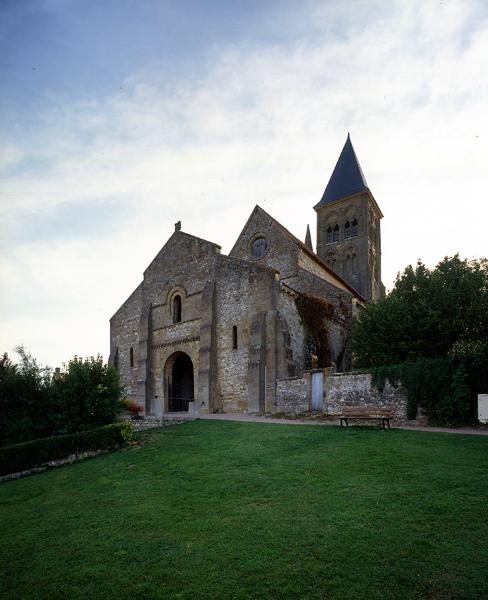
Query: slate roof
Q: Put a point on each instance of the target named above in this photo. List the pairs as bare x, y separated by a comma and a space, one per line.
347, 177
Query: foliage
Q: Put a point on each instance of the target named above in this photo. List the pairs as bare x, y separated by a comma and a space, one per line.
445, 388
315, 313
429, 313
26, 409
88, 393
19, 457
215, 509
36, 403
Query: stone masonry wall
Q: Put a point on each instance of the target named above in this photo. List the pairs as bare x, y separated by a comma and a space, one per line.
243, 289
292, 394
340, 390
124, 330
282, 252
351, 389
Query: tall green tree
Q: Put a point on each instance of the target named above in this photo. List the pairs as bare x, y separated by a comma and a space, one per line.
429, 313
88, 393
34, 403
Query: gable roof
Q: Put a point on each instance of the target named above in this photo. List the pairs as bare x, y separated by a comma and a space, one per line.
302, 246
347, 177
179, 233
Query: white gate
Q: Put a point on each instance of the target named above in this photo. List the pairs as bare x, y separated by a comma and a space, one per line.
317, 391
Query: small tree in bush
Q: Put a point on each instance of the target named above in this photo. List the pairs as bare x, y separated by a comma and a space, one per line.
88, 393
26, 410
34, 404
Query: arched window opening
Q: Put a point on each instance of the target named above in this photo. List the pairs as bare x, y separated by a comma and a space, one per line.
347, 230
131, 354
328, 237
347, 265
335, 234
354, 228
177, 309
234, 338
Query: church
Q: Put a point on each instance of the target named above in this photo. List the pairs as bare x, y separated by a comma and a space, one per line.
240, 332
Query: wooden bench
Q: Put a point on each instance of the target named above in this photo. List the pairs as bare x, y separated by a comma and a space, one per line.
356, 413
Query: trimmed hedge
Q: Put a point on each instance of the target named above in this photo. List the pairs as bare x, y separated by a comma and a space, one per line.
19, 457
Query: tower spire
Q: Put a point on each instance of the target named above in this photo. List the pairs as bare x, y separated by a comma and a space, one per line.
347, 177
308, 239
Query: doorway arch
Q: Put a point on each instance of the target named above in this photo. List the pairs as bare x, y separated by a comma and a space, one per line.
178, 373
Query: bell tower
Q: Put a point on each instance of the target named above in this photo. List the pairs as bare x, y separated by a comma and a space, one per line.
348, 227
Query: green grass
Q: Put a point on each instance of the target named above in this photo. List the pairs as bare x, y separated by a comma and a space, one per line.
215, 509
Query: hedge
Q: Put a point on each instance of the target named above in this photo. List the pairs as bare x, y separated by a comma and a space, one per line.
19, 457
445, 388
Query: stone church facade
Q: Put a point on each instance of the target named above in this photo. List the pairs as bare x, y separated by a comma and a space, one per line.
236, 332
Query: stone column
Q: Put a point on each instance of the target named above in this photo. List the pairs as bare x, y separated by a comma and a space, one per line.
207, 352
144, 387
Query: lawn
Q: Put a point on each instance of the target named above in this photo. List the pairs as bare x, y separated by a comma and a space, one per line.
215, 509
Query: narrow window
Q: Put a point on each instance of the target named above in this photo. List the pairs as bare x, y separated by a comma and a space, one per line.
177, 309
354, 263
347, 230
354, 228
131, 357
234, 338
328, 238
348, 265
335, 234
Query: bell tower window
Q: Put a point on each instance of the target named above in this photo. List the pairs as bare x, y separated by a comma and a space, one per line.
347, 230
335, 234
354, 228
328, 237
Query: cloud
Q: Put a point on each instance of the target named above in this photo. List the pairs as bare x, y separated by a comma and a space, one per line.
92, 191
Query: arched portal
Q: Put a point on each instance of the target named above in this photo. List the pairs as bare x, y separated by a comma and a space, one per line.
179, 381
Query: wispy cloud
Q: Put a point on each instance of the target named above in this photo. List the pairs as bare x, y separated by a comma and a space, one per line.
98, 182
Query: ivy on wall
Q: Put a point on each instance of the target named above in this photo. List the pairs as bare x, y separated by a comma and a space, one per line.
315, 313
445, 388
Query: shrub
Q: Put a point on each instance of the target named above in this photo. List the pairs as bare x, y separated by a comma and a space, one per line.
26, 409
19, 457
35, 404
445, 388
88, 393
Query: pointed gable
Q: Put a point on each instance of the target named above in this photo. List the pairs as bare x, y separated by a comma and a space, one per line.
184, 247
283, 251
347, 178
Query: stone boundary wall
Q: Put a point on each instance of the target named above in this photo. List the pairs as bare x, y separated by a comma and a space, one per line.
293, 394
340, 390
356, 389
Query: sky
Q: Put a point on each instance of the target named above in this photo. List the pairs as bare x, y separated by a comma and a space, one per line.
120, 117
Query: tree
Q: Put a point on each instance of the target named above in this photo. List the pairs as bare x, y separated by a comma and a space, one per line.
429, 313
88, 393
25, 402
35, 404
